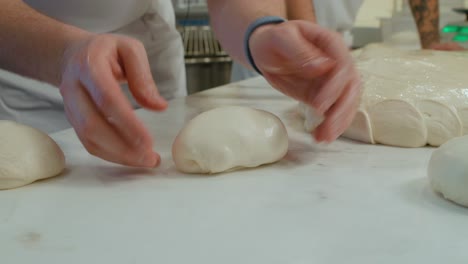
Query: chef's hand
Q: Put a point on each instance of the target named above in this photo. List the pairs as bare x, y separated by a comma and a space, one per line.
96, 107
449, 46
313, 65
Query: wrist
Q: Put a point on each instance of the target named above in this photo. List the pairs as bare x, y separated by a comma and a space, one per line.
73, 39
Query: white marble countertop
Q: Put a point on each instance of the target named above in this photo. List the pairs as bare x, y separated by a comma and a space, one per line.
343, 203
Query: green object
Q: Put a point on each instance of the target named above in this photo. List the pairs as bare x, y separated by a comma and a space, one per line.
460, 38
463, 30
450, 29
460, 32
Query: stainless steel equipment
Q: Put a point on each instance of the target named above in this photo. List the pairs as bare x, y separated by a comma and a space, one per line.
207, 64
195, 8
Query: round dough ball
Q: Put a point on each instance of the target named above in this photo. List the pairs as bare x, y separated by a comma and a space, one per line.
227, 138
448, 170
27, 155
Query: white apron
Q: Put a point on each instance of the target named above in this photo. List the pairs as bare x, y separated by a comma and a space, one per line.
151, 21
338, 15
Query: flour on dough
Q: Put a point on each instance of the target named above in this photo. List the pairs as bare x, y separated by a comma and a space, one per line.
227, 138
410, 98
448, 170
27, 155
311, 118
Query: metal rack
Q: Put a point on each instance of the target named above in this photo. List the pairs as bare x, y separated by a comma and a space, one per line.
207, 64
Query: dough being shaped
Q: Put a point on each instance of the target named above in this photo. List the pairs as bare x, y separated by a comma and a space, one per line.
27, 155
227, 138
448, 170
410, 98
398, 123
441, 120
463, 115
311, 118
360, 129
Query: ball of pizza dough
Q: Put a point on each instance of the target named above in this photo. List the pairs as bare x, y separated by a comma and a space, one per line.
448, 170
228, 138
27, 155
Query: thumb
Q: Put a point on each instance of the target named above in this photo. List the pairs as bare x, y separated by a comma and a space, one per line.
137, 72
316, 66
309, 63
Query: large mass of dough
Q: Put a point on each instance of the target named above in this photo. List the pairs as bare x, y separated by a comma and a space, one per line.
227, 138
409, 98
27, 155
448, 170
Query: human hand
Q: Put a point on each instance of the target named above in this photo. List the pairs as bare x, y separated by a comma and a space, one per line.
313, 65
448, 46
96, 107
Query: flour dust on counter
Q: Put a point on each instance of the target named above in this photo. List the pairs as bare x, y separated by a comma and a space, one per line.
448, 170
229, 137
409, 99
27, 155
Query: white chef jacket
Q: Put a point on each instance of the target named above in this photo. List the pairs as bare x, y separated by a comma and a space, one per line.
151, 21
338, 15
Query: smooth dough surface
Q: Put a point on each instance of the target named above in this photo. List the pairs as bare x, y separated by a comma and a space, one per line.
227, 138
409, 98
27, 155
448, 170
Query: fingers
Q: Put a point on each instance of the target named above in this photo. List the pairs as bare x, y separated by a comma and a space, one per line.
96, 106
98, 136
137, 71
297, 69
111, 103
327, 94
338, 95
282, 51
316, 66
341, 114
325, 85
450, 46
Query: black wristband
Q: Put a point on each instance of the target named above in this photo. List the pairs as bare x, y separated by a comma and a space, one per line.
252, 27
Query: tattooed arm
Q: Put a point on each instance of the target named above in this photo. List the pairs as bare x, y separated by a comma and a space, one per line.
301, 10
426, 16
